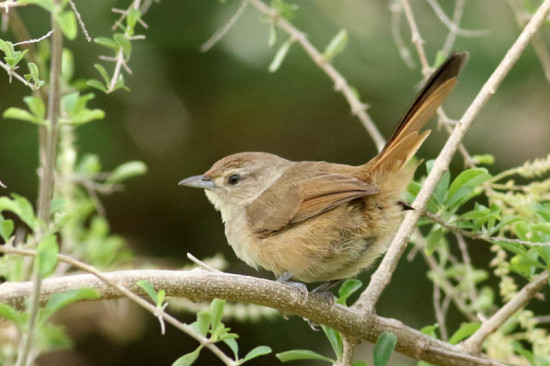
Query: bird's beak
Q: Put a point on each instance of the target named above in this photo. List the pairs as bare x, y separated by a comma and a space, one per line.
198, 181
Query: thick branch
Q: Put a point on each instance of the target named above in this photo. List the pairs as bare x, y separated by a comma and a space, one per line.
199, 285
382, 276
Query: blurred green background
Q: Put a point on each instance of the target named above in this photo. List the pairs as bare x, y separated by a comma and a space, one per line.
187, 109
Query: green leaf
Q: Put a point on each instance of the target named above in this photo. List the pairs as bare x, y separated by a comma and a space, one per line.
106, 42
336, 45
433, 240
132, 18
335, 341
273, 36
149, 289
429, 330
44, 4
9, 313
542, 226
302, 354
67, 62
15, 57
103, 73
384, 348
286, 10
6, 229
67, 22
96, 84
203, 323
63, 299
280, 56
160, 297
87, 116
46, 256
544, 252
216, 312
24, 210
465, 330
485, 299
7, 48
441, 188
464, 184
127, 170
22, 115
347, 289
486, 159
37, 108
233, 345
124, 43
188, 359
256, 352
32, 77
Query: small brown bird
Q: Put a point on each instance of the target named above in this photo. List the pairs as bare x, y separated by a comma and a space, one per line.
319, 221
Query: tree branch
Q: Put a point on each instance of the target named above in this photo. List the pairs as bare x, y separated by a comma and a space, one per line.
199, 284
46, 184
340, 84
382, 276
475, 342
491, 239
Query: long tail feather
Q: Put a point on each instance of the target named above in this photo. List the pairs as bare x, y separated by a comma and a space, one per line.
406, 139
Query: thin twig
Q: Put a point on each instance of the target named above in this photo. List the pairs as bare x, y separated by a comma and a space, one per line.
452, 25
541, 49
457, 16
416, 38
426, 71
491, 239
8, 4
225, 28
440, 314
36, 40
46, 185
201, 263
17, 76
474, 343
340, 84
396, 10
469, 276
448, 288
382, 276
80, 21
203, 285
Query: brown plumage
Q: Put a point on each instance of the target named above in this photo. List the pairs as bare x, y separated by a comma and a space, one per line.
318, 221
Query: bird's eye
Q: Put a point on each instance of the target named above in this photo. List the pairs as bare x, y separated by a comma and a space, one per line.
234, 179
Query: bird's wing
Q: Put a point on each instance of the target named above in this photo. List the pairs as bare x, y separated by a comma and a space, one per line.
302, 200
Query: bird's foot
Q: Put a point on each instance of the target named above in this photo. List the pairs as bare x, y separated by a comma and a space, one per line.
285, 279
323, 290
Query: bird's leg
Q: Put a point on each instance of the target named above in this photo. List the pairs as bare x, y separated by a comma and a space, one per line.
285, 279
326, 286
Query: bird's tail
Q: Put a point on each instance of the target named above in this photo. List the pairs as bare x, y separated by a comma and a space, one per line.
407, 139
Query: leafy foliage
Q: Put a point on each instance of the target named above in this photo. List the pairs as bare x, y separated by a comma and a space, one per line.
209, 325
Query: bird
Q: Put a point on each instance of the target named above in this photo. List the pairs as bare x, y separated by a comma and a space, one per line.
314, 221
